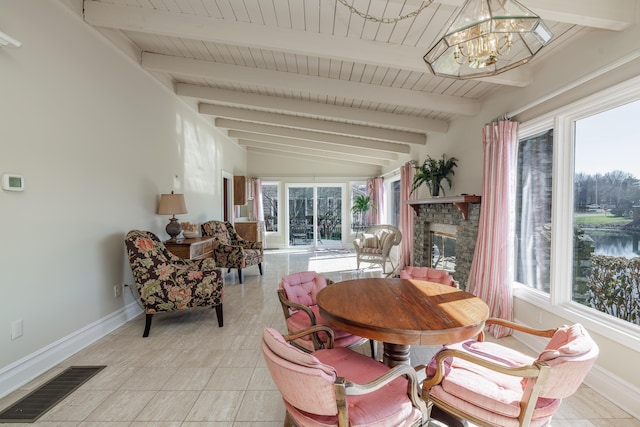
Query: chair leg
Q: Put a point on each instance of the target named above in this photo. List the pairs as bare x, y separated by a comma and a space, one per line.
240, 274
229, 270
147, 325
219, 315
372, 344
287, 420
260, 267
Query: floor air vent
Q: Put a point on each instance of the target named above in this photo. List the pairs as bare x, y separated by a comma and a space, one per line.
35, 404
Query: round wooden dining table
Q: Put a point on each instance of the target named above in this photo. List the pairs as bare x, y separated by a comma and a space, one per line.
402, 312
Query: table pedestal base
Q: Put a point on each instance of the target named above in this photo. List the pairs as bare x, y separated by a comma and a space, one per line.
396, 354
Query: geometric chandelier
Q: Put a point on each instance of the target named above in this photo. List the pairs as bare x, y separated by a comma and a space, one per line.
486, 38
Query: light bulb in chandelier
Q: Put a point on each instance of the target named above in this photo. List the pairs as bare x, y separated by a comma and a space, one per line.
483, 51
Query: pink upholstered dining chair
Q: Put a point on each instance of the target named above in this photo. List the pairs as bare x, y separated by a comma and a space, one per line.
492, 385
297, 294
429, 274
340, 387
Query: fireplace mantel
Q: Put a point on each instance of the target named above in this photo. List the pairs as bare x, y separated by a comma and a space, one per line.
461, 202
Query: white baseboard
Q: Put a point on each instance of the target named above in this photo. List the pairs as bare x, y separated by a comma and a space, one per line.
611, 387
30, 367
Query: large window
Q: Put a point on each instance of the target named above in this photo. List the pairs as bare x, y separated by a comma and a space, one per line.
577, 205
533, 210
606, 198
315, 214
395, 203
358, 221
270, 194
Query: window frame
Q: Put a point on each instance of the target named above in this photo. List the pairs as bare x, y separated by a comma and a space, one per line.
559, 300
388, 191
278, 185
352, 195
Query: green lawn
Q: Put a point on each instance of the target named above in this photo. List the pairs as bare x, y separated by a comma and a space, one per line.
599, 218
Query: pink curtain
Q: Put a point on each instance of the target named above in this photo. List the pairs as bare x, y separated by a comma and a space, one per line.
258, 209
375, 190
491, 269
406, 226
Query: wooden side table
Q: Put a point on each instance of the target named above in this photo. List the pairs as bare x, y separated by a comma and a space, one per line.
196, 248
252, 231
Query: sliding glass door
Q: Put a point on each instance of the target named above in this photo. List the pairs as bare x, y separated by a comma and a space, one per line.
315, 215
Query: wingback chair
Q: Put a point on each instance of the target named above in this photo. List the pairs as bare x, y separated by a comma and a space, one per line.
166, 282
297, 294
340, 387
429, 274
376, 243
493, 385
230, 250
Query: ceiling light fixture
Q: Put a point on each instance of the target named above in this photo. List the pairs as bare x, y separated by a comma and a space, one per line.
385, 20
488, 37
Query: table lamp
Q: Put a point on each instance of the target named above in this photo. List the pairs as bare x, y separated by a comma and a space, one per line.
172, 204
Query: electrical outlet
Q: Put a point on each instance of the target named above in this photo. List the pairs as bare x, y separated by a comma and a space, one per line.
16, 329
117, 290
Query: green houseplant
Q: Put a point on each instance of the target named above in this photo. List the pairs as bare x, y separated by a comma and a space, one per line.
432, 172
361, 205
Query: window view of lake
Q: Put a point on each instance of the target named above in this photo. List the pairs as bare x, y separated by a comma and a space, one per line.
615, 243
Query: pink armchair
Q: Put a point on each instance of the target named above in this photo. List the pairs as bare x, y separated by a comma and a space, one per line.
166, 282
297, 294
492, 385
429, 274
340, 387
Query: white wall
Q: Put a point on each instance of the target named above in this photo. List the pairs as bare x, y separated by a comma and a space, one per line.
97, 140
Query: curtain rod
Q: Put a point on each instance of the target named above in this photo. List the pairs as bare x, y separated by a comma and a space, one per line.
396, 171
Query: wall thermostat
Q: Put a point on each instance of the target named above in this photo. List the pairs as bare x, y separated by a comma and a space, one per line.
12, 182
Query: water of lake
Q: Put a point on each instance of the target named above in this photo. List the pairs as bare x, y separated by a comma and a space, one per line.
616, 243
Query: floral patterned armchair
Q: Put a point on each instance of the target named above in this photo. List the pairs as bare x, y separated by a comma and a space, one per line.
166, 282
230, 250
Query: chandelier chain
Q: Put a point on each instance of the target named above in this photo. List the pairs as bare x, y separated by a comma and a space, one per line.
385, 20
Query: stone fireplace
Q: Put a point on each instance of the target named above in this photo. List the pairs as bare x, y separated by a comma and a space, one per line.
446, 230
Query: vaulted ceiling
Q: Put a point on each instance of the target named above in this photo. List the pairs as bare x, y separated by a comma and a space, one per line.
310, 79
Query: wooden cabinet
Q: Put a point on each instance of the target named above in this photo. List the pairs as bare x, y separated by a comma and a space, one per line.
252, 231
239, 190
196, 248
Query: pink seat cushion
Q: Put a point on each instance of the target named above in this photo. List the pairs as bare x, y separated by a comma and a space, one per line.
370, 241
300, 320
428, 274
388, 406
371, 251
486, 394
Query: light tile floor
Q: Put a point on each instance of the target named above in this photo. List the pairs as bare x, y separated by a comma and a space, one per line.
190, 373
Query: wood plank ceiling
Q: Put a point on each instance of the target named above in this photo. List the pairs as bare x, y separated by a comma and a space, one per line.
310, 79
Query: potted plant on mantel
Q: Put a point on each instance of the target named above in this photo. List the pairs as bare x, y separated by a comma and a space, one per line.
432, 172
